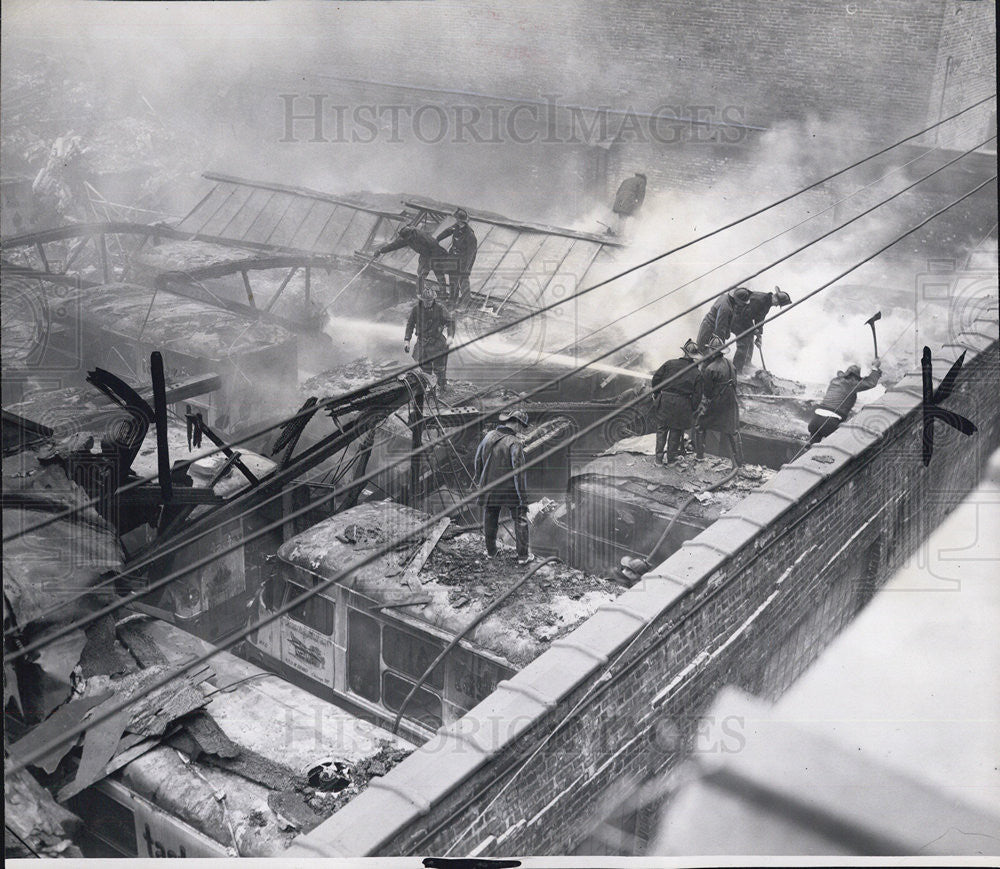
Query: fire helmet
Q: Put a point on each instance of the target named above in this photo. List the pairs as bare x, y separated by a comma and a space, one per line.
741, 295
853, 371
690, 347
461, 214
716, 343
427, 294
515, 414
782, 298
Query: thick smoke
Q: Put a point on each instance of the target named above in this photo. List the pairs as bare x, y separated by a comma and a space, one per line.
213, 73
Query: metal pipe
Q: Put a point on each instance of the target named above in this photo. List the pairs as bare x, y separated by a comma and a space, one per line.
465, 631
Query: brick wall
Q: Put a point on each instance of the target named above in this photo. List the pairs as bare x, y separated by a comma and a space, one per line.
853, 74
751, 602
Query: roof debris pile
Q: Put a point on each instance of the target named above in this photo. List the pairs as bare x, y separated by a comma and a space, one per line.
455, 583
356, 374
241, 756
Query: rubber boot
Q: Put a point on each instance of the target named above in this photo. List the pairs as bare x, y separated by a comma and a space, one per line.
699, 443
661, 443
736, 444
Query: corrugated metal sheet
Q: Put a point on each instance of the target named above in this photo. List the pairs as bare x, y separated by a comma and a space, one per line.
532, 263
278, 217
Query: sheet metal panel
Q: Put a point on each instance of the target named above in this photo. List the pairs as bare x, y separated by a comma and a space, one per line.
290, 222
267, 221
218, 222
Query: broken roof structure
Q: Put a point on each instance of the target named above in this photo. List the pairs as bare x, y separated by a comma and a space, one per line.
454, 585
241, 759
527, 257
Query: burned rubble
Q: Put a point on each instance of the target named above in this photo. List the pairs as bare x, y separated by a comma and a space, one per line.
258, 432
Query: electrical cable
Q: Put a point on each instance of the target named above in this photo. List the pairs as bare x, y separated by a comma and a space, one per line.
37, 644
530, 315
71, 734
607, 669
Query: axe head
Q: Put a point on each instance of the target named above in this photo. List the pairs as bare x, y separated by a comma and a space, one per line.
872, 319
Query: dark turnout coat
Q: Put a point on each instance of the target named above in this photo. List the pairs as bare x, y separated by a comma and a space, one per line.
675, 403
719, 320
430, 324
631, 193
499, 453
722, 411
432, 254
842, 393
753, 313
464, 244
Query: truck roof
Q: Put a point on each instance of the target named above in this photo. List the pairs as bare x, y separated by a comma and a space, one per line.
240, 755
455, 584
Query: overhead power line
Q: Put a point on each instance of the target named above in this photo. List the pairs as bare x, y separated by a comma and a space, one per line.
56, 517
164, 581
70, 735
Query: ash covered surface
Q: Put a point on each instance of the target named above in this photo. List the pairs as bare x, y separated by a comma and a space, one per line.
356, 374
456, 583
163, 318
185, 256
629, 466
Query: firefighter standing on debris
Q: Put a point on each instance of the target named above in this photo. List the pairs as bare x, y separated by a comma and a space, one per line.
719, 410
464, 246
433, 257
674, 403
430, 319
721, 317
499, 455
841, 395
752, 315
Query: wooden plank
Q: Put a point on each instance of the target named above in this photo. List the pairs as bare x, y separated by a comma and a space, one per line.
423, 553
244, 219
204, 209
569, 276
511, 270
267, 218
492, 250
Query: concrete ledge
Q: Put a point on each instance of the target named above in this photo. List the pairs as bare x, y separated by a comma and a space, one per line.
522, 688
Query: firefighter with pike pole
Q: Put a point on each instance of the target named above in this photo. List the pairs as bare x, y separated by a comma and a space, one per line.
752, 316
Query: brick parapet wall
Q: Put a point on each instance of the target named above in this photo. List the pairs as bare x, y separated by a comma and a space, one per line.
751, 602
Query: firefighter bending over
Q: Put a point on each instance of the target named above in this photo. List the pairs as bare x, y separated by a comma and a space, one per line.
757, 308
719, 411
433, 257
841, 395
675, 401
501, 456
431, 320
725, 312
